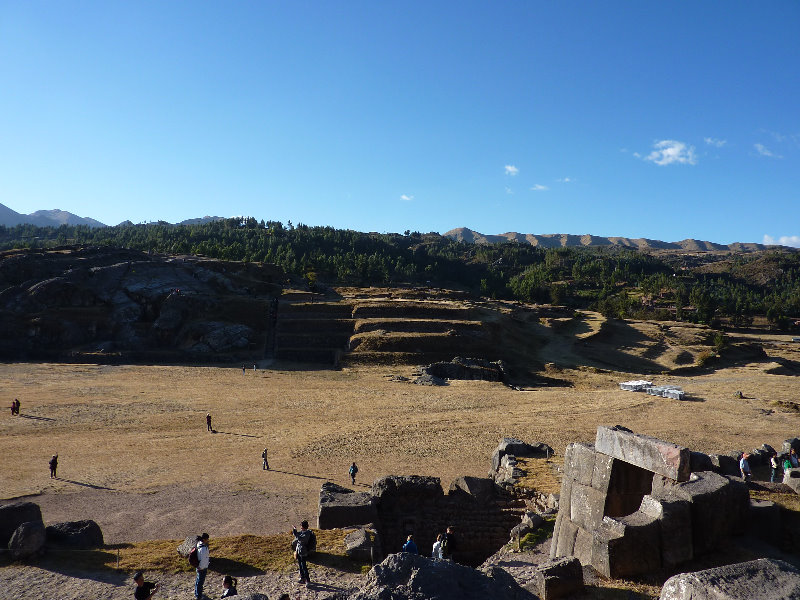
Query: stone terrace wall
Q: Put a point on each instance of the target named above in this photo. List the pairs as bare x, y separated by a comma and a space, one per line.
481, 513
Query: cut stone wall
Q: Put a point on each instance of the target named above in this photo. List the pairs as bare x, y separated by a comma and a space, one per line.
481, 513
636, 507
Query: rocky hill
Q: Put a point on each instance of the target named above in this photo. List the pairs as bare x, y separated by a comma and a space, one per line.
44, 218
128, 305
564, 240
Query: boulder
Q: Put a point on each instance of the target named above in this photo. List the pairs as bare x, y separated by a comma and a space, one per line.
764, 521
419, 486
75, 534
765, 579
27, 540
480, 489
517, 447
559, 578
409, 576
718, 506
644, 451
341, 507
362, 544
725, 464
699, 461
14, 515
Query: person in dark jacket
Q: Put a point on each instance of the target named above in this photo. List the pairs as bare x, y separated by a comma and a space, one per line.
229, 587
302, 546
53, 466
410, 546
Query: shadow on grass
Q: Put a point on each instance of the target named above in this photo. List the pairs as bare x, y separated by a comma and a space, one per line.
228, 566
98, 565
299, 474
83, 484
335, 561
239, 434
35, 418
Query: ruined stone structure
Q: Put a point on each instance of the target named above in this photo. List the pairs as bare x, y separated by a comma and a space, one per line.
631, 504
481, 512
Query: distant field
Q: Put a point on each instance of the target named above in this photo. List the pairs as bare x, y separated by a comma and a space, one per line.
135, 455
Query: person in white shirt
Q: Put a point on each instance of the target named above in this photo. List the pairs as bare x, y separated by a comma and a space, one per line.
437, 547
202, 567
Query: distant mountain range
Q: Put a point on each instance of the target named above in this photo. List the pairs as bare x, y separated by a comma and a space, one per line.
564, 240
56, 217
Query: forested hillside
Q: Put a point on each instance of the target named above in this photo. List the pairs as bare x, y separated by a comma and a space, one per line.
702, 287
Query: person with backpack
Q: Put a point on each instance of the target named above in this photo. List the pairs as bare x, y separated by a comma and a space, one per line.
353, 470
199, 559
264, 462
302, 544
53, 466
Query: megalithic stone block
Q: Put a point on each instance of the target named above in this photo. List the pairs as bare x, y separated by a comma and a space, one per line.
652, 454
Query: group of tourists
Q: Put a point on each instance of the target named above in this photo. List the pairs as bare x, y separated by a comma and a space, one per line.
779, 466
15, 407
443, 547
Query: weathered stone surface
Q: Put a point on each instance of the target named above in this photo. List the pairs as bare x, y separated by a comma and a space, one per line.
762, 579
647, 452
719, 508
637, 551
480, 489
341, 507
468, 368
75, 534
586, 506
14, 515
361, 544
392, 485
675, 521
27, 540
564, 543
764, 521
408, 576
579, 462
517, 447
698, 461
725, 464
559, 578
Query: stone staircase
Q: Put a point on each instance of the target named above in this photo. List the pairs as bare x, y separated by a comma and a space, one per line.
312, 331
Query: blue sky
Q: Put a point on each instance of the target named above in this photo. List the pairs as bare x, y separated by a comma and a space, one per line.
666, 120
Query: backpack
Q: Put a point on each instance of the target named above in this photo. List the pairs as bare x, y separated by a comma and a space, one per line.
445, 547
305, 544
194, 558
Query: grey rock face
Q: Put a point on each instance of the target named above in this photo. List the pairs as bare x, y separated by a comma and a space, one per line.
764, 579
27, 540
341, 507
410, 577
647, 452
362, 544
559, 578
14, 515
386, 487
75, 534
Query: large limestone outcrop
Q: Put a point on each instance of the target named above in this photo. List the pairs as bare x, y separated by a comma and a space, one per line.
630, 505
15, 514
764, 579
411, 577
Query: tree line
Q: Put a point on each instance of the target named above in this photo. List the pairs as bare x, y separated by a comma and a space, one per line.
618, 282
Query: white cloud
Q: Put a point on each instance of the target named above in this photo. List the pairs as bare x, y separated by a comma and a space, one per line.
511, 170
667, 152
540, 188
509, 191
565, 180
784, 240
715, 142
764, 151
406, 197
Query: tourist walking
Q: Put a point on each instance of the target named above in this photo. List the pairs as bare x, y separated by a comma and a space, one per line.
53, 466
208, 422
229, 587
244, 371
353, 470
410, 546
437, 547
302, 546
144, 589
265, 463
203, 559
744, 467
16, 406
